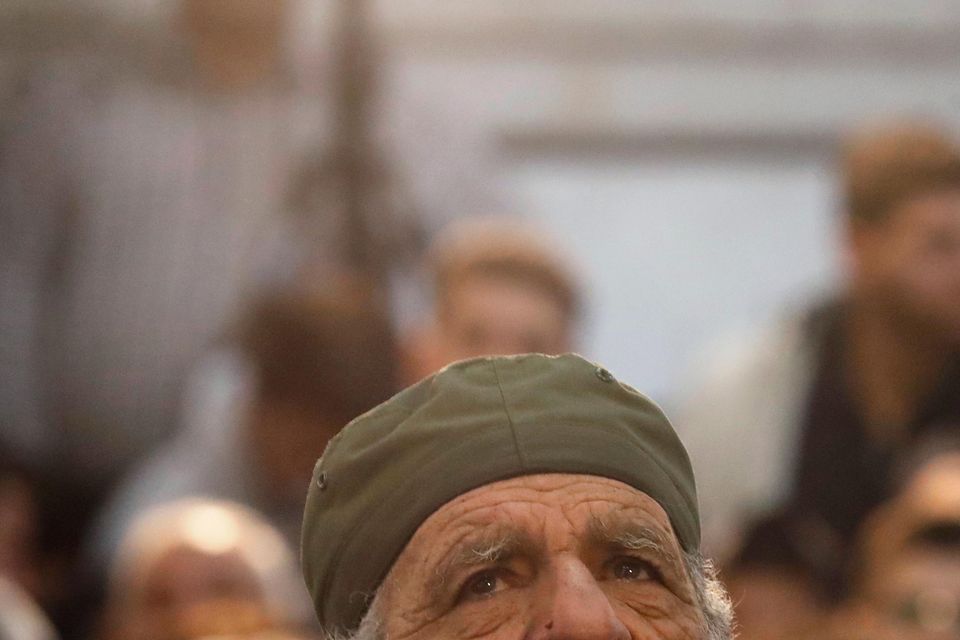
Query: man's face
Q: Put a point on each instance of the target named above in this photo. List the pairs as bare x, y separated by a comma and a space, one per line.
910, 263
543, 556
495, 315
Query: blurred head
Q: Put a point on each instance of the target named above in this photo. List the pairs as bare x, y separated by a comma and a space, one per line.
201, 563
499, 289
772, 580
239, 19
909, 572
320, 358
903, 203
235, 44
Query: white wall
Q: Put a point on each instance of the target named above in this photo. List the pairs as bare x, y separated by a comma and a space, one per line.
683, 152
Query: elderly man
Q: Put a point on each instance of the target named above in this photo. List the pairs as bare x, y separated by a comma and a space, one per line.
512, 497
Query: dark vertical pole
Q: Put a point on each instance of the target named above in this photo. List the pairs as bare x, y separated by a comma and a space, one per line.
358, 176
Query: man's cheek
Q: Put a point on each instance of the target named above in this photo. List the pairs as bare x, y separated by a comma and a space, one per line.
658, 610
498, 617
667, 629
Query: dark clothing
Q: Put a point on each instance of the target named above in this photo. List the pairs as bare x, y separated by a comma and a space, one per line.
843, 472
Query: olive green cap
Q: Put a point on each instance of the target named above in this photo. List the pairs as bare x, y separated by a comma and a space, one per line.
473, 423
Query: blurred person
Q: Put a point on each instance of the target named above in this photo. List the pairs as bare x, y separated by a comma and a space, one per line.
906, 575
303, 361
773, 580
499, 288
142, 196
134, 200
197, 568
808, 415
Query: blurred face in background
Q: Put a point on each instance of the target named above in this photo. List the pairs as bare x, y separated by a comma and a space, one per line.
184, 577
240, 18
921, 593
908, 264
488, 315
188, 589
911, 573
495, 315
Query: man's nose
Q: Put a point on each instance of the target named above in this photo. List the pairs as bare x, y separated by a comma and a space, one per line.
572, 605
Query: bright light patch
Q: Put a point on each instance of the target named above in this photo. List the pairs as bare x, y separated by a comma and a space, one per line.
211, 529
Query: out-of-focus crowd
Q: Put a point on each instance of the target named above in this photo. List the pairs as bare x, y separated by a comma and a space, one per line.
203, 259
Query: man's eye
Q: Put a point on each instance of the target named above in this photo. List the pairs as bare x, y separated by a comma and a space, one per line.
633, 569
480, 586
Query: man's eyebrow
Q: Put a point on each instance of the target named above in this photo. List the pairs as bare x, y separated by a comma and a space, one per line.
487, 547
626, 533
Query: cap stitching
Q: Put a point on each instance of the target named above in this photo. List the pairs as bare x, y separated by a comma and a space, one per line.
513, 429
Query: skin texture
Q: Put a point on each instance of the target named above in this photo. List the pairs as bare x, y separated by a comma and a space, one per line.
543, 556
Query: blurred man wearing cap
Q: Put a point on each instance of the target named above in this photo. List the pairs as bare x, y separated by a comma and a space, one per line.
527, 496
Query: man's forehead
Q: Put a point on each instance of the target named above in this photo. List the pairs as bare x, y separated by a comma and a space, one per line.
588, 502
535, 516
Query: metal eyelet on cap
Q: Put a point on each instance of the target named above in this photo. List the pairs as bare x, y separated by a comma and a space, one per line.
322, 481
604, 375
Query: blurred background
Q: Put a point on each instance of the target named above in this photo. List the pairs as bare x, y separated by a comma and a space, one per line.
694, 144
209, 209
